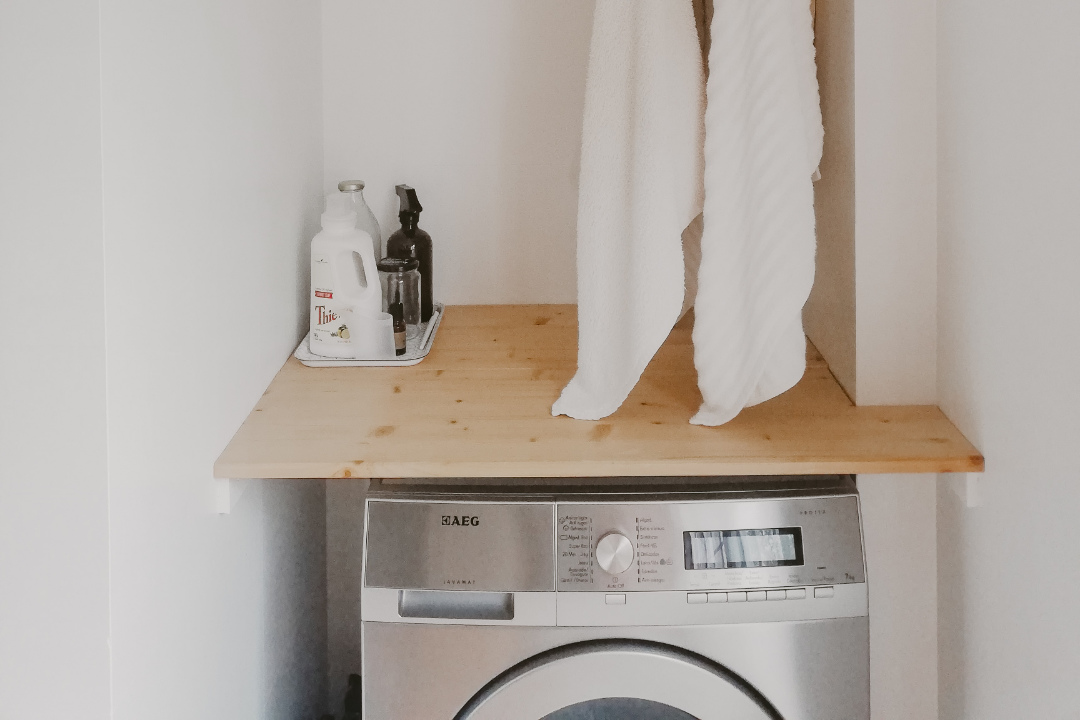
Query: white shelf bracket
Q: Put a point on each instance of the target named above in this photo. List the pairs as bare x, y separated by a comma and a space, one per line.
967, 487
227, 493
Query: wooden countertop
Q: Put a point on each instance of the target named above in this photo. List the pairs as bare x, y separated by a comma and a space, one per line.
480, 406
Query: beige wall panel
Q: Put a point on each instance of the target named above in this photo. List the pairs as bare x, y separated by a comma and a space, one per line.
830, 313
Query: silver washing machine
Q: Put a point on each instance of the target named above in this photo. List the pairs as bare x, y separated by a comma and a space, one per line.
743, 601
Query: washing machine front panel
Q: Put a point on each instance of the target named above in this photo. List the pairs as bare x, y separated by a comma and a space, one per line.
484, 608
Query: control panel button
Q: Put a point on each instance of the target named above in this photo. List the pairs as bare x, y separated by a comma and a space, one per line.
615, 553
775, 595
755, 596
797, 594
736, 597
697, 598
615, 599
824, 592
718, 597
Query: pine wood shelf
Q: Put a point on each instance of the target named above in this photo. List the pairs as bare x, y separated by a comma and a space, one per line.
479, 406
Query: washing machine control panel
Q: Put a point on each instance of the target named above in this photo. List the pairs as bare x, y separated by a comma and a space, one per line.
706, 544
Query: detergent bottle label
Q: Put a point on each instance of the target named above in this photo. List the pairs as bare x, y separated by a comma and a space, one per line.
327, 327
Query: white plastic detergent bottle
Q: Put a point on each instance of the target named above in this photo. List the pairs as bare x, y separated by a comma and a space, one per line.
344, 281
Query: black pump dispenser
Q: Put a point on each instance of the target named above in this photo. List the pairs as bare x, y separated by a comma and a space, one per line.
412, 242
410, 205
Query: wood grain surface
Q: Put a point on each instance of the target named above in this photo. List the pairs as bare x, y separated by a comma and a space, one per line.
479, 406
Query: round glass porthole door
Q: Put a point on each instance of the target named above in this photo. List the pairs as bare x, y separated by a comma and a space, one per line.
618, 679
619, 709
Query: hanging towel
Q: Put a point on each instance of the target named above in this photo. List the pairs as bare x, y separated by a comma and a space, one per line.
641, 186
763, 144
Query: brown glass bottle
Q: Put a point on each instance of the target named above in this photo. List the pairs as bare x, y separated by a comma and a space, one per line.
397, 312
411, 242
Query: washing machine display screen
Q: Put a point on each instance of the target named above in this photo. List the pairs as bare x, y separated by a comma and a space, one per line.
724, 549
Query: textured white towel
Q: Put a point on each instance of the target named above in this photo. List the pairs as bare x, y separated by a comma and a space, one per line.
763, 144
640, 187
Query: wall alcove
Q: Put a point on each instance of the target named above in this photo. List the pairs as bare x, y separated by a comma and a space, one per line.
482, 115
412, 422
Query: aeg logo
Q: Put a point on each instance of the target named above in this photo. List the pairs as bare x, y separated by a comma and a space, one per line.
464, 520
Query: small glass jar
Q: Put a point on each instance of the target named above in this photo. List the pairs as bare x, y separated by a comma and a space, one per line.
400, 278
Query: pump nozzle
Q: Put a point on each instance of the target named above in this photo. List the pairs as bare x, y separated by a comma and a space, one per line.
410, 205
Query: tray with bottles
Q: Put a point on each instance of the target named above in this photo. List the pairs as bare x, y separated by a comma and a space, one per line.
416, 349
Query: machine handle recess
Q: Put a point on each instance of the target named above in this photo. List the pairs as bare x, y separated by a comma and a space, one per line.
455, 605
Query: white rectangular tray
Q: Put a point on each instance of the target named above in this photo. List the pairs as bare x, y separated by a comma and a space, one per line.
415, 350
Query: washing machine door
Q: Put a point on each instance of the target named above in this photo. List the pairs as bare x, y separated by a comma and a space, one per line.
615, 680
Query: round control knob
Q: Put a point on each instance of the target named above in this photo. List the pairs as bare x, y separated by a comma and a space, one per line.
615, 553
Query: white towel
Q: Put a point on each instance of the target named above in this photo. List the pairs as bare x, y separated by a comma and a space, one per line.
641, 186
763, 144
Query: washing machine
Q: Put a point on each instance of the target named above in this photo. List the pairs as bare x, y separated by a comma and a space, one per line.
739, 600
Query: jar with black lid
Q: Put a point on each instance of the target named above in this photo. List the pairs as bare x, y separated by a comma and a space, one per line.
400, 279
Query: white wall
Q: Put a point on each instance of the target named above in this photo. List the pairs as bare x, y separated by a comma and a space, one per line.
895, 120
1009, 342
53, 487
895, 140
901, 556
212, 147
478, 104
873, 311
